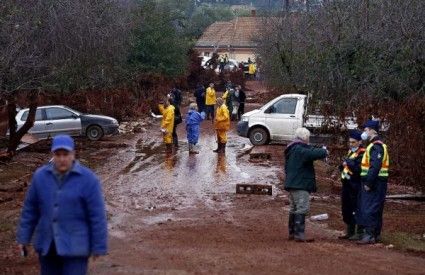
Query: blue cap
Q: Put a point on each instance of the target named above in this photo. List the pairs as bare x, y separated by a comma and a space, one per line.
356, 135
373, 124
63, 142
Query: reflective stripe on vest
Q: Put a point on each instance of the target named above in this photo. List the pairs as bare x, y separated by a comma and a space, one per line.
346, 171
383, 172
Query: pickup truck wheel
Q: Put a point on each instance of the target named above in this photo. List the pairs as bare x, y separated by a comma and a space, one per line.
94, 132
259, 136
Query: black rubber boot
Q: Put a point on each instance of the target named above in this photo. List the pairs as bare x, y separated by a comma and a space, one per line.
349, 232
223, 148
175, 141
218, 148
291, 227
359, 233
168, 147
300, 228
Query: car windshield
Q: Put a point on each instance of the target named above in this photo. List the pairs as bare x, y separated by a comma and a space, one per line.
75, 111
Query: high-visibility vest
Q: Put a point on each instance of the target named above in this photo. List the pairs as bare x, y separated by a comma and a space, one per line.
346, 172
383, 172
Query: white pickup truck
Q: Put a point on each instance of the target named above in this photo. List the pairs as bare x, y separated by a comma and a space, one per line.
278, 120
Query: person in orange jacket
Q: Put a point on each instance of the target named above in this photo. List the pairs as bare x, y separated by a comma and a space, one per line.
221, 125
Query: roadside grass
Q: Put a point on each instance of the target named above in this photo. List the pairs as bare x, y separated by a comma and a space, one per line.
405, 241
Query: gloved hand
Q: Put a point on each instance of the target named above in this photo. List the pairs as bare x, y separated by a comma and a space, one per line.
164, 131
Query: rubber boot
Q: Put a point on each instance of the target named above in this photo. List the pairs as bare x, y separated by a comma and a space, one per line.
223, 148
218, 148
192, 149
368, 237
359, 233
291, 227
349, 232
175, 141
377, 235
168, 147
300, 228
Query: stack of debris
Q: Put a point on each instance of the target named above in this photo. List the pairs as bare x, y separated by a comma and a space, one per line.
127, 127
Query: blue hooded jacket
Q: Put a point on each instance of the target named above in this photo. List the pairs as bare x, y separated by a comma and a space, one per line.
193, 121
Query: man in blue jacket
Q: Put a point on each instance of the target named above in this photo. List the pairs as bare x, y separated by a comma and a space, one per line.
65, 208
300, 181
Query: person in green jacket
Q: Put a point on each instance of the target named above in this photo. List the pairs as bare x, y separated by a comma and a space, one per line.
300, 180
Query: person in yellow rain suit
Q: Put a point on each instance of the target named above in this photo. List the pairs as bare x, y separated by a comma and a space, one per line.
251, 69
210, 100
167, 123
221, 125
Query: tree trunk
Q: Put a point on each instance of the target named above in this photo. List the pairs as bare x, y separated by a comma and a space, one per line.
286, 6
15, 139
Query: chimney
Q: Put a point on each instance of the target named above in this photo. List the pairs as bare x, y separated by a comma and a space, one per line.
253, 13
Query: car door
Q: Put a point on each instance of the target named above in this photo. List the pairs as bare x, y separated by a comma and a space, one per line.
60, 121
282, 118
39, 128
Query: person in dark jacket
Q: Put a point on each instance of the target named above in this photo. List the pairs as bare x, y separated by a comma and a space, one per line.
242, 98
66, 210
351, 184
300, 180
193, 121
177, 96
177, 120
374, 178
199, 94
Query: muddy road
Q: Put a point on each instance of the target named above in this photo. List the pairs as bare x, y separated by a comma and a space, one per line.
179, 214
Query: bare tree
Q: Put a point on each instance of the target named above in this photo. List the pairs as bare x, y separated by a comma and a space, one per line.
59, 46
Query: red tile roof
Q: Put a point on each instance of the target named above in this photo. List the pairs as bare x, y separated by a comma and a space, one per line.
236, 33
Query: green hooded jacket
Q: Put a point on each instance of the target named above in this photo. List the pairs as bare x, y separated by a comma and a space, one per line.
299, 168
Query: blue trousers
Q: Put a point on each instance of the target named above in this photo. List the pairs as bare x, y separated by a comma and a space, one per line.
209, 109
349, 198
372, 205
53, 264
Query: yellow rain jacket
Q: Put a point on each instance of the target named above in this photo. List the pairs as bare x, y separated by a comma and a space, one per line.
222, 119
222, 123
252, 68
210, 98
167, 122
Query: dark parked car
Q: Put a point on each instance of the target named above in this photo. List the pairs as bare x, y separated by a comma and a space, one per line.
58, 119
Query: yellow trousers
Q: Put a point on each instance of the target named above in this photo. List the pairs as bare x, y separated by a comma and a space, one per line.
168, 138
221, 136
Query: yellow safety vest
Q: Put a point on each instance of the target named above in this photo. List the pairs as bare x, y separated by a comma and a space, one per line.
346, 171
366, 160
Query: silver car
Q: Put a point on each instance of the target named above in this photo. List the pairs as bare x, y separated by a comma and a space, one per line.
54, 120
